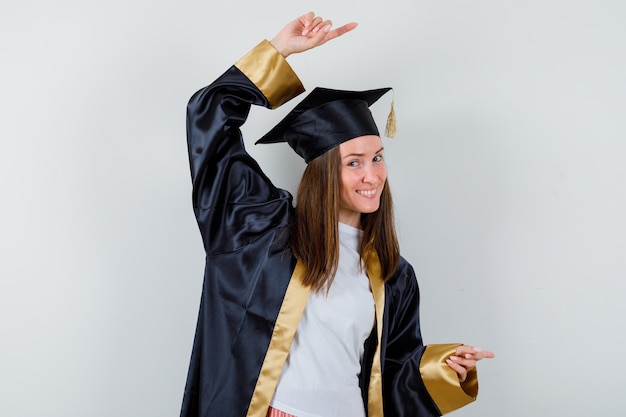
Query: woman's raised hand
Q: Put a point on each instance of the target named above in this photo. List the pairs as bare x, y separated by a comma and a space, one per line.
306, 32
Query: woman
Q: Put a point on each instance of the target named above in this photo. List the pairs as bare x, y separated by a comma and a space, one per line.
309, 312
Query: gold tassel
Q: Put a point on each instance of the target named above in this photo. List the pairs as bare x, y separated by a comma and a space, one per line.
390, 129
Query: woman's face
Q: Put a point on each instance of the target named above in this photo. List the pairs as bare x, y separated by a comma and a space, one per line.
362, 175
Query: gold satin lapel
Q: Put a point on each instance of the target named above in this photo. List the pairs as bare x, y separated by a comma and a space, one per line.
442, 382
284, 330
375, 389
271, 73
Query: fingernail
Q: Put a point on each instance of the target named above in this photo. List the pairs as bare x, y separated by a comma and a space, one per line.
454, 358
468, 356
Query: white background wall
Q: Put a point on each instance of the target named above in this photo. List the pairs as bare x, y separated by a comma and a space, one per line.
507, 170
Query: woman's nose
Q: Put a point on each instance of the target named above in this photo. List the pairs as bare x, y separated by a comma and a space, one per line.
369, 174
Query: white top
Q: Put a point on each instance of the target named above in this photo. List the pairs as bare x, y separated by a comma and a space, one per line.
320, 376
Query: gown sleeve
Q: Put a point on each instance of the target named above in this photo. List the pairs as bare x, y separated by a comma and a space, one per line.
243, 219
416, 379
234, 202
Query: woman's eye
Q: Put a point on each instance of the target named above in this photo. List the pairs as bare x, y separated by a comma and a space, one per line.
353, 163
378, 158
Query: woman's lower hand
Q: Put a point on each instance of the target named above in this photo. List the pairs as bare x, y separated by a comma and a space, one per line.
466, 358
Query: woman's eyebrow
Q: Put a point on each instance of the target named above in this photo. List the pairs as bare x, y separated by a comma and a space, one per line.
361, 153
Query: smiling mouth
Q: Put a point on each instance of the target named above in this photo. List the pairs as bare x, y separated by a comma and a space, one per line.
367, 193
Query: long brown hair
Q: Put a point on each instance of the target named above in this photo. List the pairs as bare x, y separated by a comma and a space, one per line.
315, 235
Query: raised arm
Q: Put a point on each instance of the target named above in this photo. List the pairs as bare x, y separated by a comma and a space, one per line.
229, 188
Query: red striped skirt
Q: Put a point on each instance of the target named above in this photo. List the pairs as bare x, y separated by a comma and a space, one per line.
272, 412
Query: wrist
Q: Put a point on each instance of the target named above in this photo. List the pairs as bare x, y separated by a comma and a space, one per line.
280, 46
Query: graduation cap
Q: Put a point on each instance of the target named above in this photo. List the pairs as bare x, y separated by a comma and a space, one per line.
326, 118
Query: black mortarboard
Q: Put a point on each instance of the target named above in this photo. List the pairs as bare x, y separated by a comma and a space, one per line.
324, 119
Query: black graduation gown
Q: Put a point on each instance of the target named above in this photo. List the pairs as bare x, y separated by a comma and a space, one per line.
251, 297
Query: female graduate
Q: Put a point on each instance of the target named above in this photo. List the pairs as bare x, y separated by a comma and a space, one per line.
307, 311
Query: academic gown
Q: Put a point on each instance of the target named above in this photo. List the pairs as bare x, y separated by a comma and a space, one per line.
252, 296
